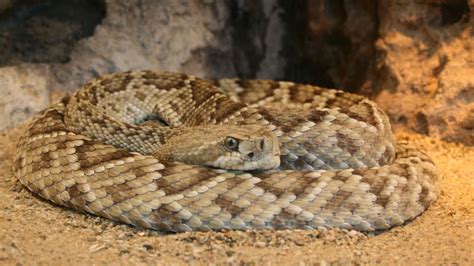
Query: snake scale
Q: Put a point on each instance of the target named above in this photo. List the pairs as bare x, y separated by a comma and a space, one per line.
173, 152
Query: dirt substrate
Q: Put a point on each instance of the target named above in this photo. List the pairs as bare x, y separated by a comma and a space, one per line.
33, 231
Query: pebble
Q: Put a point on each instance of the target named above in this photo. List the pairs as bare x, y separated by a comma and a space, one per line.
148, 247
96, 247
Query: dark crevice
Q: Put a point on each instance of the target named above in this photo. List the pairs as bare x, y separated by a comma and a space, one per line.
454, 12
46, 31
443, 61
249, 26
330, 43
422, 123
295, 19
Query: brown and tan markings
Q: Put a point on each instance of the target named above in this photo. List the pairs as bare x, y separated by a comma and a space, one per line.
338, 166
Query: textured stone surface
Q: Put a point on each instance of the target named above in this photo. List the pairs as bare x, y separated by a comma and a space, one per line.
196, 37
168, 35
426, 67
24, 92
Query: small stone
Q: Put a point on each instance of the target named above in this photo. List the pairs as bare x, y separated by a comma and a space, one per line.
96, 247
299, 242
148, 247
122, 236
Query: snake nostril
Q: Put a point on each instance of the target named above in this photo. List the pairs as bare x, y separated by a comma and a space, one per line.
262, 143
250, 155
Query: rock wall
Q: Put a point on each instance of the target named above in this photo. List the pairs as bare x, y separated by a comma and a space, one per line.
204, 38
414, 58
425, 67
24, 92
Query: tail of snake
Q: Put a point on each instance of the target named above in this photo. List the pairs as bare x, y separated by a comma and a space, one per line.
340, 165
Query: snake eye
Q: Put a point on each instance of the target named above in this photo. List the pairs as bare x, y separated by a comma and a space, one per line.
231, 143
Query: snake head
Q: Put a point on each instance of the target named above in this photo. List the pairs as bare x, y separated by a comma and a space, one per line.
243, 147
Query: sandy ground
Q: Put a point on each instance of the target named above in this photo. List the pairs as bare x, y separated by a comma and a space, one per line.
33, 231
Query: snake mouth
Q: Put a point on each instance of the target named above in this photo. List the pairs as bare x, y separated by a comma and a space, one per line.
273, 162
265, 162
260, 154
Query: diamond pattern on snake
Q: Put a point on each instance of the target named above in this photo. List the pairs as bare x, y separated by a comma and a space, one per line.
173, 152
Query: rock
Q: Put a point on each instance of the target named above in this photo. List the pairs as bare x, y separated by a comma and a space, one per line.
188, 36
25, 91
207, 39
425, 67
196, 37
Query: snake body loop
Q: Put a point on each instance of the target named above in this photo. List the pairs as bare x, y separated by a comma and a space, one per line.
340, 166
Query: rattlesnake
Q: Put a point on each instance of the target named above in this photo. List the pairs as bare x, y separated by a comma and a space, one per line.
98, 152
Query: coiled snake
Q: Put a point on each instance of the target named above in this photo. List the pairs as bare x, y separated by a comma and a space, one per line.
172, 152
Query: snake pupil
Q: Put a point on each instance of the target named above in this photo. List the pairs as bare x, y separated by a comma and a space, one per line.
231, 143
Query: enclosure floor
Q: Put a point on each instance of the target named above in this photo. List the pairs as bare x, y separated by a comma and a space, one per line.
35, 231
